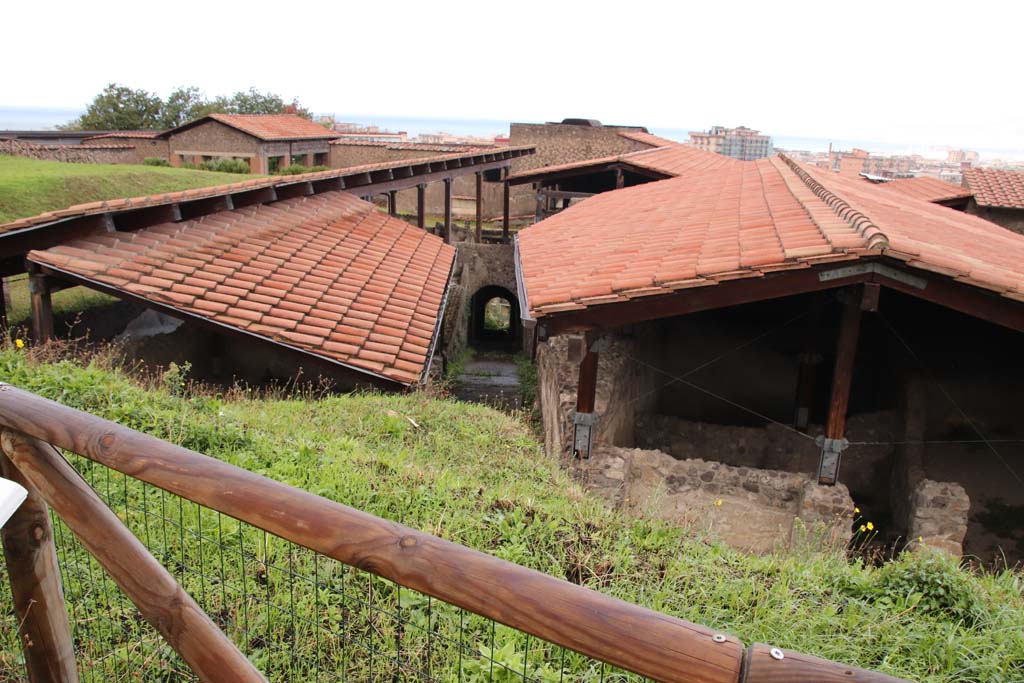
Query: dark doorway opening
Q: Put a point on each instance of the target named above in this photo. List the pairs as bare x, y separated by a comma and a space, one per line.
495, 322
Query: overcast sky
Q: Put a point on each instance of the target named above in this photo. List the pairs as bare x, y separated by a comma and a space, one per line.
941, 73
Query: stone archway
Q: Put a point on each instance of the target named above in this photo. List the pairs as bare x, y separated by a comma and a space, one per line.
494, 320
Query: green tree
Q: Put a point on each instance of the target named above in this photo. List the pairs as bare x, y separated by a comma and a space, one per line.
184, 104
120, 108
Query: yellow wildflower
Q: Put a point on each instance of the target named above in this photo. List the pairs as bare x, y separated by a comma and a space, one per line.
871, 527
718, 503
863, 528
857, 510
19, 343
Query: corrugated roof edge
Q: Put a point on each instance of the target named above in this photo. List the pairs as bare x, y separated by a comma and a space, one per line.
865, 227
103, 287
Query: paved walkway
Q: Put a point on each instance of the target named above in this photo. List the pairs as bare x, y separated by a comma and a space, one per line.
492, 380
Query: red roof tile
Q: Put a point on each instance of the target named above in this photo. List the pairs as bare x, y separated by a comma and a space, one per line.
322, 264
267, 127
925, 187
742, 220
139, 134
997, 188
647, 138
111, 205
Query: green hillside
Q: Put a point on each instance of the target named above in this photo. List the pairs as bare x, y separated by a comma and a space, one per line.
29, 187
478, 477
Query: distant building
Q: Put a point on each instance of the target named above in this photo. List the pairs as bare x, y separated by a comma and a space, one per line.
267, 142
959, 156
739, 143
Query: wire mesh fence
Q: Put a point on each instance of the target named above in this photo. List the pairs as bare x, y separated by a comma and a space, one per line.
297, 615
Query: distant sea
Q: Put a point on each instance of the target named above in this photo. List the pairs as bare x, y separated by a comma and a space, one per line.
27, 118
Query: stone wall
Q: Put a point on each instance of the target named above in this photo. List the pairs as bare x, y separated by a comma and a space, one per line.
752, 509
142, 148
774, 447
938, 515
477, 266
625, 389
211, 138
1011, 219
559, 143
75, 154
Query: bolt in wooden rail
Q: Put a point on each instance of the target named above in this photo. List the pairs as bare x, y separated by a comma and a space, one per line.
625, 635
163, 603
31, 556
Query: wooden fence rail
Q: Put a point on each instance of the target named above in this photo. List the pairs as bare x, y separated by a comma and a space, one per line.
625, 635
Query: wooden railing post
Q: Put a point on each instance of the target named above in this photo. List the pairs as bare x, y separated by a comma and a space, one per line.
162, 602
34, 574
765, 664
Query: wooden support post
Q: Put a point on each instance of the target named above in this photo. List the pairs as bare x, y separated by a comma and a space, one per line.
421, 205
448, 210
34, 574
584, 418
163, 603
4, 297
810, 359
42, 307
620, 179
392, 202
506, 218
842, 379
479, 206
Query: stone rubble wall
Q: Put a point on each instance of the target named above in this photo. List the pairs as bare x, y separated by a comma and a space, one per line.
752, 509
773, 446
74, 154
938, 515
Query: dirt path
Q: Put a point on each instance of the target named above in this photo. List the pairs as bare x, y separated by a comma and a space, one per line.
492, 379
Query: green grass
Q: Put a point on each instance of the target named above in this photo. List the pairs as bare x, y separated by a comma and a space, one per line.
29, 187
478, 477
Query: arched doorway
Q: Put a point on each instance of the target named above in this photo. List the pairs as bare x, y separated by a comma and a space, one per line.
495, 322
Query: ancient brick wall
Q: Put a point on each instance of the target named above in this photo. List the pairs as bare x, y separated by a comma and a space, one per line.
212, 138
559, 143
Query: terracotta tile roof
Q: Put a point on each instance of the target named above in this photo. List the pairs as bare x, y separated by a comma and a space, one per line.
417, 146
647, 139
90, 145
672, 160
92, 208
140, 134
267, 127
997, 188
925, 187
742, 220
327, 274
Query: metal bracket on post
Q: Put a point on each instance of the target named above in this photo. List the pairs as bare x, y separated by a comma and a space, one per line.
831, 452
583, 433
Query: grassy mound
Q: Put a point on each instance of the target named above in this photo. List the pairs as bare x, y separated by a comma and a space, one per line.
29, 187
478, 477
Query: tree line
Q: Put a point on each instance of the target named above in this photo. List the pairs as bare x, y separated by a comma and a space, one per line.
119, 107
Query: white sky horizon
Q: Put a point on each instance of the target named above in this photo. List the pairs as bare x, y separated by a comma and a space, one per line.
912, 73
